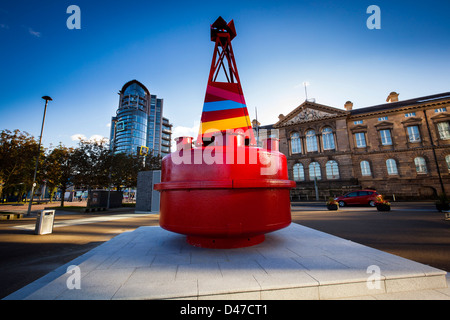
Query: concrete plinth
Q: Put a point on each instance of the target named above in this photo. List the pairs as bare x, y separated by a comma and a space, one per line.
147, 199
293, 263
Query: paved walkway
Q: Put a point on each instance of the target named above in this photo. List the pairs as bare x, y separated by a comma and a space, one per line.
76, 230
293, 263
27, 257
88, 220
23, 207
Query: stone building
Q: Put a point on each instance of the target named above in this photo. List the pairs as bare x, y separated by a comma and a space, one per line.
399, 148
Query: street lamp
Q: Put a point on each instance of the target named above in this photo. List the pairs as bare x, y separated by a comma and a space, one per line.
46, 98
113, 149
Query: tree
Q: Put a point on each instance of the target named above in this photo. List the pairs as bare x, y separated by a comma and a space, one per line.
90, 164
18, 151
123, 170
152, 163
59, 170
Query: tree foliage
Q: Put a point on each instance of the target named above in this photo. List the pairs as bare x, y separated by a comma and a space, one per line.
90, 162
59, 169
91, 165
18, 153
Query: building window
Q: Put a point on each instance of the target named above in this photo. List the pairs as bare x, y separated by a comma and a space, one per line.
440, 110
314, 171
327, 139
413, 133
311, 141
165, 149
444, 130
332, 170
360, 138
299, 174
421, 165
382, 118
296, 146
358, 122
410, 114
391, 166
447, 160
365, 168
386, 137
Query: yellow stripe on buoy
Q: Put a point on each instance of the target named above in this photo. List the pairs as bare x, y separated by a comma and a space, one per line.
224, 124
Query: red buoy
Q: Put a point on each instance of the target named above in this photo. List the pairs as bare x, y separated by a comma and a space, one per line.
225, 192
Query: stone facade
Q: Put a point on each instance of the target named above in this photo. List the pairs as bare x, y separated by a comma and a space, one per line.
400, 148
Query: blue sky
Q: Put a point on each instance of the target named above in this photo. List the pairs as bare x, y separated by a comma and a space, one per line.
166, 46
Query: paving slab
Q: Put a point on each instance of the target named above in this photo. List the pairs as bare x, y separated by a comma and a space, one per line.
293, 263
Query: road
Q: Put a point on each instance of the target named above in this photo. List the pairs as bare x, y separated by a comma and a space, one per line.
412, 230
25, 257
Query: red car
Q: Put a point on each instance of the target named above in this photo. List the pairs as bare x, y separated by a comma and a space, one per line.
366, 196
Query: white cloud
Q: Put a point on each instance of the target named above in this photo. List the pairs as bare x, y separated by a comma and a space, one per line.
181, 131
97, 138
34, 33
93, 138
78, 136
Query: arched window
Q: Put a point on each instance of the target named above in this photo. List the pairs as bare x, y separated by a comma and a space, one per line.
447, 159
421, 165
328, 139
365, 168
296, 145
314, 171
332, 170
391, 166
311, 141
299, 174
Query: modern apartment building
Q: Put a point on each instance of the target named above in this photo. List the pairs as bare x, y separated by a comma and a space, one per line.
139, 125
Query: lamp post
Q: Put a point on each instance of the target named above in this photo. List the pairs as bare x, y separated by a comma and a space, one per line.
46, 98
113, 149
434, 153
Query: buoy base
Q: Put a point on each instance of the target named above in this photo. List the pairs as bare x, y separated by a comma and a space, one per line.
224, 243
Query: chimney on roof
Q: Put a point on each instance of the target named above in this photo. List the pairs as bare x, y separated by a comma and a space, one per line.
348, 105
281, 117
255, 123
392, 97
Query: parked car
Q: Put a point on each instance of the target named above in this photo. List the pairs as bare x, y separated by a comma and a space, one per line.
366, 196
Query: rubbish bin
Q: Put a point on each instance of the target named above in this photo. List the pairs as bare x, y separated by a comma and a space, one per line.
44, 222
